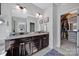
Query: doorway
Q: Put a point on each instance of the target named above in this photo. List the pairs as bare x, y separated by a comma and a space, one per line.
69, 33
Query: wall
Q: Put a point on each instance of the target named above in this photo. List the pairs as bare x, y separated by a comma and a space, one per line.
54, 25
2, 37
49, 13
6, 14
5, 29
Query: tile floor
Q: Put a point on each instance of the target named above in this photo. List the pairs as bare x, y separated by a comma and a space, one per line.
53, 53
67, 48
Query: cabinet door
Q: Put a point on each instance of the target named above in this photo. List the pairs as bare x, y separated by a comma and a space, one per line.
35, 44
45, 41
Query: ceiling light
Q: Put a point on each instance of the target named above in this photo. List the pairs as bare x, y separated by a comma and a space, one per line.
40, 16
17, 6
37, 14
24, 10
1, 22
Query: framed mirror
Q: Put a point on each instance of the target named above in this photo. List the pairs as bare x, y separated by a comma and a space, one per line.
19, 25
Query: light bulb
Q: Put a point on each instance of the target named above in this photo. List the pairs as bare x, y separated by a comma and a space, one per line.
37, 14
24, 10
17, 7
1, 22
40, 16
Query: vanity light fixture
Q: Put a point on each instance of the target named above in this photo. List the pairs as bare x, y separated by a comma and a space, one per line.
24, 10
1, 21
37, 15
17, 7
40, 16
21, 8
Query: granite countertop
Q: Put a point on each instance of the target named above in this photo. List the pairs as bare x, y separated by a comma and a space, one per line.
25, 35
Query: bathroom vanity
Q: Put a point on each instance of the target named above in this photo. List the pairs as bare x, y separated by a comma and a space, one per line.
24, 38
26, 44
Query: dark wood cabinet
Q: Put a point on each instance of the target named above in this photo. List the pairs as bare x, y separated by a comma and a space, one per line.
41, 41
32, 44
45, 41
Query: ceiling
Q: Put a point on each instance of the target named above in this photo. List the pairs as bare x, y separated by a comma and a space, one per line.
42, 5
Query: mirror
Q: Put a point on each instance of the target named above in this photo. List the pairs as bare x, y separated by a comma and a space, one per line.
24, 25
19, 25
32, 24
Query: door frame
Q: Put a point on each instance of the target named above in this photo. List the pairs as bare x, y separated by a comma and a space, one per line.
59, 26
